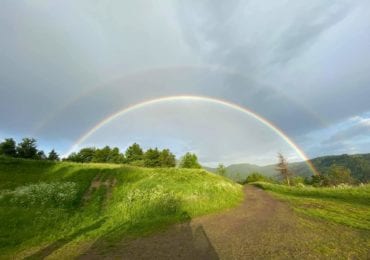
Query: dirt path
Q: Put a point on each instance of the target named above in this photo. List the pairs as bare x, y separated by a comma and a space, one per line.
261, 227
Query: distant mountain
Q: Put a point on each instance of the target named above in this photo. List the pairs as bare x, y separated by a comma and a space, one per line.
359, 164
241, 171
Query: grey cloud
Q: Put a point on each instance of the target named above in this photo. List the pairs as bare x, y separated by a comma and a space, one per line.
250, 35
109, 98
290, 62
350, 134
280, 44
308, 26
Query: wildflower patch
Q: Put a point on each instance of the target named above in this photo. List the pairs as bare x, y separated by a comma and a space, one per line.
55, 194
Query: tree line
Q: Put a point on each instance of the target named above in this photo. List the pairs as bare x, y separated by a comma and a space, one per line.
134, 155
26, 149
332, 176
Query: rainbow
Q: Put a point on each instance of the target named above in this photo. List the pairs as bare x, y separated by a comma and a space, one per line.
239, 108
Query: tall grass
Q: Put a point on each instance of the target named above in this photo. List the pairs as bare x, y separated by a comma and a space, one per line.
348, 205
42, 203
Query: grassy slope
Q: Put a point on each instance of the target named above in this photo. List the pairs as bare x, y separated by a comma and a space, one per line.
62, 218
349, 206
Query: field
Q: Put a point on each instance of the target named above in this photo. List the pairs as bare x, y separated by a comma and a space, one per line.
58, 209
344, 205
63, 210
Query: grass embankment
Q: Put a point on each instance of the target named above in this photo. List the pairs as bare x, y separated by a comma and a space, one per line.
344, 205
53, 209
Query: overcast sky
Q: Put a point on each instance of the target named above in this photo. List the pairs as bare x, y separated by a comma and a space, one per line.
303, 65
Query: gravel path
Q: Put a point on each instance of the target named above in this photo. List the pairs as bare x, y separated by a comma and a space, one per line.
261, 227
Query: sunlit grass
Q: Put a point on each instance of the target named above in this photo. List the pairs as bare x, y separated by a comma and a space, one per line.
43, 203
347, 205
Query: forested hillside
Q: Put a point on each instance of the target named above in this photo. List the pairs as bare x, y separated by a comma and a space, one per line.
359, 164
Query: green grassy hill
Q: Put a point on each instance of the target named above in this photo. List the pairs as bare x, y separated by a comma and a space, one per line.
57, 209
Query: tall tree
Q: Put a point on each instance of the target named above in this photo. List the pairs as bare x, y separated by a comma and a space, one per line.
134, 153
221, 170
282, 168
102, 155
190, 160
53, 156
73, 157
86, 155
8, 147
151, 158
27, 148
167, 159
116, 156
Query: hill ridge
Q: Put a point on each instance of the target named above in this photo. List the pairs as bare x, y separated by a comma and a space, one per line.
359, 164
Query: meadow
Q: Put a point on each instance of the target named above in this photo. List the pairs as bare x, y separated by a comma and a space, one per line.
343, 204
59, 209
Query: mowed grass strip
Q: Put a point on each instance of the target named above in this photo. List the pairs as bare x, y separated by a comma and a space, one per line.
48, 207
347, 205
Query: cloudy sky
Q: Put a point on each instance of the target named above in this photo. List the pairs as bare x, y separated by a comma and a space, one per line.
66, 65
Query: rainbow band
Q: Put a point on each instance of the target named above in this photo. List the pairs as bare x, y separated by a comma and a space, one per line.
241, 109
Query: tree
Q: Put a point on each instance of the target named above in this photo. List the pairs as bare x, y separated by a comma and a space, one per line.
339, 174
134, 153
319, 180
282, 168
73, 157
116, 156
221, 170
87, 154
41, 155
8, 148
102, 155
152, 158
27, 149
190, 160
167, 159
53, 156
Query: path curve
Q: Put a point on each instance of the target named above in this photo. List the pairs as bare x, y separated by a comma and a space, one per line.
261, 227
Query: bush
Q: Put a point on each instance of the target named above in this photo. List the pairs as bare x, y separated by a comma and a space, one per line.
319, 181
334, 176
256, 177
339, 175
190, 160
297, 180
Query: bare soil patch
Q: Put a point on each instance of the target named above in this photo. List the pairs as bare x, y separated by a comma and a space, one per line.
96, 184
